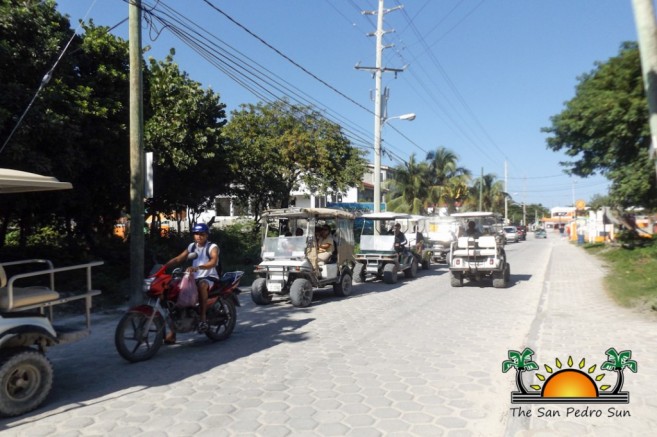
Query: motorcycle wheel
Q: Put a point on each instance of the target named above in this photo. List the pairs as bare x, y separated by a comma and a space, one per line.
133, 341
222, 317
25, 380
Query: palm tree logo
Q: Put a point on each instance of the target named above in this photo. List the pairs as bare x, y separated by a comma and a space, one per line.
572, 384
521, 362
617, 362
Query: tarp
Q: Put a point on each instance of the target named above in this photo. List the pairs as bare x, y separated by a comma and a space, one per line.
15, 181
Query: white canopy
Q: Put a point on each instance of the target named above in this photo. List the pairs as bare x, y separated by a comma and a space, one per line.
14, 181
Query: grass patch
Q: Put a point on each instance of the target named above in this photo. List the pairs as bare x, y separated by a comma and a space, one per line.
632, 280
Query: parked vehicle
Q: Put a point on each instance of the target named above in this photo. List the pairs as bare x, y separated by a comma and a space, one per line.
291, 264
478, 258
141, 331
378, 256
522, 232
442, 233
540, 233
26, 328
511, 234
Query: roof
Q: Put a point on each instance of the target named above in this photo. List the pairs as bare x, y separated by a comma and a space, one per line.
15, 181
306, 212
386, 215
472, 214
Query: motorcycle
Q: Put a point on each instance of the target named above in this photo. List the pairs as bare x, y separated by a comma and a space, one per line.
142, 330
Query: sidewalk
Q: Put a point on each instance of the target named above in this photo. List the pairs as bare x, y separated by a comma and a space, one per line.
577, 319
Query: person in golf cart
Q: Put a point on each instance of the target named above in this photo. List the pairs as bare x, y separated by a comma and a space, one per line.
400, 239
472, 230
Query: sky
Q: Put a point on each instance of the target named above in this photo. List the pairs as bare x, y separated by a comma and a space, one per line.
482, 76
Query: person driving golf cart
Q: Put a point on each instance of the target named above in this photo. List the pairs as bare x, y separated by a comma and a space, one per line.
400, 239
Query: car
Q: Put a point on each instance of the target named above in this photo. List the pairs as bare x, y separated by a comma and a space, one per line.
511, 234
540, 233
522, 232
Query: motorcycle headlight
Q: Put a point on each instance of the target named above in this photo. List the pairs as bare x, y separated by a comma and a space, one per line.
147, 284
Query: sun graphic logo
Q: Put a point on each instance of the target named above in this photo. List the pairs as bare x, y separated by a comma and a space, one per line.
570, 385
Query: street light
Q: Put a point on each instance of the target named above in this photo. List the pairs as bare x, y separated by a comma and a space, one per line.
377, 155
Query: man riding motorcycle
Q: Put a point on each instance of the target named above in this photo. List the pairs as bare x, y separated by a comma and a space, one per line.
204, 267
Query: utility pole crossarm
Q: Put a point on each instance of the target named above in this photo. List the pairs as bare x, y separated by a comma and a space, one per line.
378, 70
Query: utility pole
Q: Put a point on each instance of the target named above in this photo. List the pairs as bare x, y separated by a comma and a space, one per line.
506, 195
136, 155
481, 190
378, 117
644, 16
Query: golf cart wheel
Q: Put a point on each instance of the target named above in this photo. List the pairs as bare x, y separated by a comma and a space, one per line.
411, 272
498, 279
507, 273
359, 273
259, 293
134, 340
25, 380
301, 293
343, 288
222, 317
456, 279
390, 273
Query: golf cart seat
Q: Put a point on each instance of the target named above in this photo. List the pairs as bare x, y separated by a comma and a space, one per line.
482, 246
15, 297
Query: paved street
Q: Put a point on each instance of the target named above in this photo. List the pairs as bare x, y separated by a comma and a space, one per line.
416, 358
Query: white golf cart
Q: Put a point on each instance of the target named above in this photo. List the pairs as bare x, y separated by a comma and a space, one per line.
291, 262
377, 255
26, 328
481, 256
443, 231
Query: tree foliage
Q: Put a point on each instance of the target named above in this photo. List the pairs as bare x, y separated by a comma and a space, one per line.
184, 132
278, 147
604, 129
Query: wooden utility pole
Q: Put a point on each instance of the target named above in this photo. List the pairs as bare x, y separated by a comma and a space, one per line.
644, 16
136, 155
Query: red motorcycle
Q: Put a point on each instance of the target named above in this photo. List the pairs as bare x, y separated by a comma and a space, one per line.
142, 330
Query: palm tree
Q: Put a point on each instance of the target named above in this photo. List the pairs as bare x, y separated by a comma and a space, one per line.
408, 187
617, 362
446, 179
521, 362
492, 194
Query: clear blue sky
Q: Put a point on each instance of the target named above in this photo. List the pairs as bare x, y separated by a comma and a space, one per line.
483, 76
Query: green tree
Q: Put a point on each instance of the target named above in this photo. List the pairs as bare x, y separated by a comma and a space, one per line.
183, 130
492, 194
408, 186
448, 182
276, 147
604, 129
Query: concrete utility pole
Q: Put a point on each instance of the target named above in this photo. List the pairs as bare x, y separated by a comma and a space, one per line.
136, 155
506, 196
644, 16
378, 117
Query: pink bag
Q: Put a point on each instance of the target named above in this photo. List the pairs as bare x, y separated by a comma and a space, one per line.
188, 296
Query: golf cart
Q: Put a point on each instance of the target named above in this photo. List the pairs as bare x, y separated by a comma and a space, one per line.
26, 328
291, 260
378, 255
418, 239
481, 256
443, 231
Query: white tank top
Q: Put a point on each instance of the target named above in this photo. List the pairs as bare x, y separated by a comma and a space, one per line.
203, 257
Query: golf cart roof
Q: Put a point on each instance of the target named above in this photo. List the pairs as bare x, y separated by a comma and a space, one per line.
472, 214
15, 181
386, 215
307, 212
